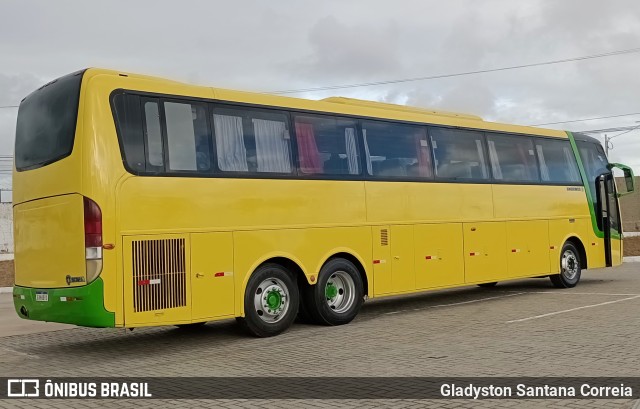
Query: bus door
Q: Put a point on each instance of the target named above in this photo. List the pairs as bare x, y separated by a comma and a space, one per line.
609, 214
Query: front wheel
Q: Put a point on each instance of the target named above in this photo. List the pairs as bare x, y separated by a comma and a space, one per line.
570, 268
337, 297
270, 301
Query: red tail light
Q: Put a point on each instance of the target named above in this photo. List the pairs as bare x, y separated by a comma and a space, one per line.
92, 239
92, 224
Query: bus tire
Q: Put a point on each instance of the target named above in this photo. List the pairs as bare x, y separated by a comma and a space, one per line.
270, 301
337, 297
570, 268
488, 285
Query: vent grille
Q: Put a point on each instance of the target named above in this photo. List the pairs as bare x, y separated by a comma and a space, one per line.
384, 237
159, 276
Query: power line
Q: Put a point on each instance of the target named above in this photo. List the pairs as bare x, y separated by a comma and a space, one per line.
9, 106
625, 132
586, 119
603, 130
432, 77
607, 139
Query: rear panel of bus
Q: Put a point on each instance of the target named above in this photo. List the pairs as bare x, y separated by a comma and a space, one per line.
57, 226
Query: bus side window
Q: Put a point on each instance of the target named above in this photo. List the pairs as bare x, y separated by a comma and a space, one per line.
396, 150
273, 145
187, 136
128, 115
557, 161
153, 134
326, 145
458, 154
513, 158
249, 140
230, 142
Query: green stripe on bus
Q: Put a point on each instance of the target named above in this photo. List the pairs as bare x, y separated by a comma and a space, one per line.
87, 308
587, 190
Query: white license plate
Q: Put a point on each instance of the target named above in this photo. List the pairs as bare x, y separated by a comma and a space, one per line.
42, 296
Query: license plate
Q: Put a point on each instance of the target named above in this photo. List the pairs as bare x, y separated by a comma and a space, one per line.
42, 296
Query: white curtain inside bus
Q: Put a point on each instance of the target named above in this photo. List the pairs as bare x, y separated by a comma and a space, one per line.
272, 146
232, 154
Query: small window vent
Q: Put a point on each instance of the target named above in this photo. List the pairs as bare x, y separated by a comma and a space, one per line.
384, 237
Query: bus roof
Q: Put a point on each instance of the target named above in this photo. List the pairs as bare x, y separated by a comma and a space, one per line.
396, 107
337, 105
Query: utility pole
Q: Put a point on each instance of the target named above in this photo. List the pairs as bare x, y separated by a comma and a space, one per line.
607, 139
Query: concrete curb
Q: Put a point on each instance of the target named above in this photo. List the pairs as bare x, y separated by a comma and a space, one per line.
6, 290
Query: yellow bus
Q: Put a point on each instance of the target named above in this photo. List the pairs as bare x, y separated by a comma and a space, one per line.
140, 201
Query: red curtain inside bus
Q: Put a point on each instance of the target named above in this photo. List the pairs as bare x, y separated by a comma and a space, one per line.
310, 161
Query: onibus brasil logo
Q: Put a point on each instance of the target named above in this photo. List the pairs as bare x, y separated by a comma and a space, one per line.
32, 388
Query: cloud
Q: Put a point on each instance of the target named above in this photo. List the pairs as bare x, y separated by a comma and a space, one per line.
291, 44
16, 86
349, 52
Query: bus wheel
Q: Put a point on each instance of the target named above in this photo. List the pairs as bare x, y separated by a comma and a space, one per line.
488, 285
337, 297
570, 268
270, 301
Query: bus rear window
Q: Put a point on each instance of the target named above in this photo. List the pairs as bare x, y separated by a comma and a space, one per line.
47, 123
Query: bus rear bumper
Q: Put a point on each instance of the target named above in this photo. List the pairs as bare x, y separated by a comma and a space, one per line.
82, 306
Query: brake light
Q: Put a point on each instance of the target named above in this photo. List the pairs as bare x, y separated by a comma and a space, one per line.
92, 224
92, 239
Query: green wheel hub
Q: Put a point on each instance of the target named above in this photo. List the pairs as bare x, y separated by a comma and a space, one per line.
271, 300
274, 299
340, 292
331, 291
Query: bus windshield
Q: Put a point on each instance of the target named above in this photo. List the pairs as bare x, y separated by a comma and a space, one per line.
47, 123
595, 163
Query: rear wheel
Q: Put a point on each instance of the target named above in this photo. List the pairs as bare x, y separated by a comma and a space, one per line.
570, 268
488, 285
337, 297
270, 301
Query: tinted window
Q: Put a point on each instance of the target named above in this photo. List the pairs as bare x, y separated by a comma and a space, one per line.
557, 162
326, 145
458, 154
47, 123
513, 158
252, 141
153, 133
395, 150
187, 136
594, 162
129, 120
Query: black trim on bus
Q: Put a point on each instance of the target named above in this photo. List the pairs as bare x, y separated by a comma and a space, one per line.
215, 172
585, 138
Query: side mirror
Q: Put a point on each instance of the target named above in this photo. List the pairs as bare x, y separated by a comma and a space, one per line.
629, 178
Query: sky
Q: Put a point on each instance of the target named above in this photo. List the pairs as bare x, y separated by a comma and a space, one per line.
295, 44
